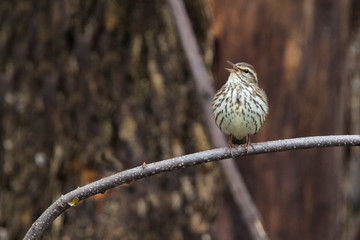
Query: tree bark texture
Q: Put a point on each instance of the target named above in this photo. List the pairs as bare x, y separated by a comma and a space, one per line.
299, 50
88, 88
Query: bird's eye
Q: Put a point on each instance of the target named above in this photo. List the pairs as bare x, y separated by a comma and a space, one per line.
246, 70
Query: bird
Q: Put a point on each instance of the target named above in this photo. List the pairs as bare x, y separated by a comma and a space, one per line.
240, 106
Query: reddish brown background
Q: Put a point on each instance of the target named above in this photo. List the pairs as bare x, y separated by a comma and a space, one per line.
299, 50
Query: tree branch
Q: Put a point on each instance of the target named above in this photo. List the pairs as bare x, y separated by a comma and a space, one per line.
130, 175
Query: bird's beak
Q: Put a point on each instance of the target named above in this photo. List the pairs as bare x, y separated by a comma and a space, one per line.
233, 65
233, 70
230, 70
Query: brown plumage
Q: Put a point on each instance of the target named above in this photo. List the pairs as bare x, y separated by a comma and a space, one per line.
240, 106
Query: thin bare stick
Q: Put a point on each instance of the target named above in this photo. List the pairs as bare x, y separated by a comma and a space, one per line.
146, 170
248, 211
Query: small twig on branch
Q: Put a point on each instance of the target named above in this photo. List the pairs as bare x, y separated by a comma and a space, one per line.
130, 175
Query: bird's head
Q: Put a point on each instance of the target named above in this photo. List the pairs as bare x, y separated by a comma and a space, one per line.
243, 71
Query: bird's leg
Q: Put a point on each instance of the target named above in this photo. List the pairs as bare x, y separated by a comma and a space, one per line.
248, 143
230, 145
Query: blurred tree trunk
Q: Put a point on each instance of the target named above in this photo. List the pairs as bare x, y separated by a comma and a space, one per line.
88, 88
353, 73
299, 51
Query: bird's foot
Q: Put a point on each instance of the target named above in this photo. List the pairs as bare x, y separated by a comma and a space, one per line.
248, 143
230, 146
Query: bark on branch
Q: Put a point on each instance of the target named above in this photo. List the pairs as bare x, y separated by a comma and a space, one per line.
146, 170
